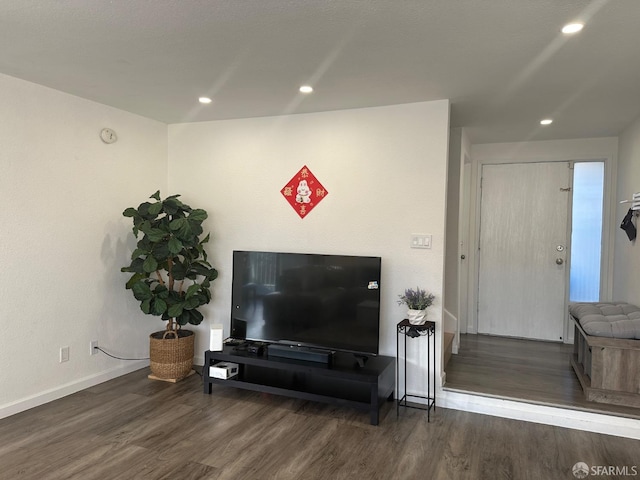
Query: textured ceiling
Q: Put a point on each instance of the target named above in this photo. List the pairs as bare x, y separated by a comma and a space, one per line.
503, 63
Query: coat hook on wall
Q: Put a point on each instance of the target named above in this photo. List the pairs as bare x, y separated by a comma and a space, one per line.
635, 202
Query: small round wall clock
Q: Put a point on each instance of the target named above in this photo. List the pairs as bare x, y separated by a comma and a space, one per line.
108, 136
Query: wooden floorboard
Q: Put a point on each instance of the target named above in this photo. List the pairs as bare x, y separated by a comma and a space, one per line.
135, 428
529, 370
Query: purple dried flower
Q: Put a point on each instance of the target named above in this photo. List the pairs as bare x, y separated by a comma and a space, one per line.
417, 299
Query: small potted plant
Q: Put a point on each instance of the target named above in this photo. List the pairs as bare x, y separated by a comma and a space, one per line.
417, 301
171, 278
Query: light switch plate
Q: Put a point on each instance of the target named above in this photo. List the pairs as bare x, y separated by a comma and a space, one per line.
420, 240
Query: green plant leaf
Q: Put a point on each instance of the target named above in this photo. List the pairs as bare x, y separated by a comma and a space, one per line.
175, 245
134, 279
172, 205
156, 195
196, 229
159, 306
192, 303
192, 290
175, 310
155, 208
161, 291
207, 294
190, 316
141, 291
130, 212
145, 226
138, 252
200, 269
145, 306
182, 228
179, 271
174, 297
135, 267
143, 209
161, 251
196, 317
155, 234
150, 264
198, 215
184, 318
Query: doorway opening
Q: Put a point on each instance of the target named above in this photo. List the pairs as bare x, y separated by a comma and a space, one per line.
494, 364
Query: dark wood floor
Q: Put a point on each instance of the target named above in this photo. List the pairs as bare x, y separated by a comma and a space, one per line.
538, 372
135, 428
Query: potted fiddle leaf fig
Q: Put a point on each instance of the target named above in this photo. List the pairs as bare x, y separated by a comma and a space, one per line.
171, 278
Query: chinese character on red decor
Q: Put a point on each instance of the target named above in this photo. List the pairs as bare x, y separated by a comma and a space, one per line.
304, 192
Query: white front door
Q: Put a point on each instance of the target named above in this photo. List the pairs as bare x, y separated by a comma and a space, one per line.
523, 250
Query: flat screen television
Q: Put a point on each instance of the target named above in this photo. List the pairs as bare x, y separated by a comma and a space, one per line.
313, 300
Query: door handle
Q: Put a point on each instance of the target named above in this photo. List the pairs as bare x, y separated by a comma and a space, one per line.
559, 261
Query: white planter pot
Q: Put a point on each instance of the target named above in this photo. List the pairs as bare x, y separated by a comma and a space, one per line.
417, 317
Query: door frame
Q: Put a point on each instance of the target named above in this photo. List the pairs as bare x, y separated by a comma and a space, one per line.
536, 152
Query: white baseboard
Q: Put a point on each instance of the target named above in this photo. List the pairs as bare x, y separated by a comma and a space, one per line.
560, 417
69, 388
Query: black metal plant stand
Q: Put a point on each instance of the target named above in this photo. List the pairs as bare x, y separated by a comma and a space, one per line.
406, 329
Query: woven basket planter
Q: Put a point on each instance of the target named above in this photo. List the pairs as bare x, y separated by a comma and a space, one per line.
171, 354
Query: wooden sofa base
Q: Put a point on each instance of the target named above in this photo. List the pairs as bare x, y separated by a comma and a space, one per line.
608, 368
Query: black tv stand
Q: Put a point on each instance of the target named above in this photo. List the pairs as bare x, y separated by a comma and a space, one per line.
340, 383
361, 360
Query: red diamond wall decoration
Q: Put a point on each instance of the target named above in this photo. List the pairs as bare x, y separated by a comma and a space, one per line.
304, 192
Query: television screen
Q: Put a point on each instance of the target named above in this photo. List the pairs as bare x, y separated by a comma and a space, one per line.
325, 301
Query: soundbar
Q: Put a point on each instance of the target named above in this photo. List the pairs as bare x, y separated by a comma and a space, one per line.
300, 353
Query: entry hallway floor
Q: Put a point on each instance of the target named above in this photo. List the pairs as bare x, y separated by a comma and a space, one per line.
530, 370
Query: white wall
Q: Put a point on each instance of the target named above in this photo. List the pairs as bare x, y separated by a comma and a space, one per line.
64, 239
626, 280
384, 169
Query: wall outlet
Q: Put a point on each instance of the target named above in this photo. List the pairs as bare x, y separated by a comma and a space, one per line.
93, 347
64, 354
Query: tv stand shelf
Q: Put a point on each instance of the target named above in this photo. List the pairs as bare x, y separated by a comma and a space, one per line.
341, 383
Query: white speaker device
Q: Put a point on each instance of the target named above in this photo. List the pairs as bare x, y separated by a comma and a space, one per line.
215, 339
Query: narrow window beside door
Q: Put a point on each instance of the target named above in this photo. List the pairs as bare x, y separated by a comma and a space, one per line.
586, 231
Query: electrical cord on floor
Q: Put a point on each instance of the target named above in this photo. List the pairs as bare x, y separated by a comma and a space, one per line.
119, 358
201, 372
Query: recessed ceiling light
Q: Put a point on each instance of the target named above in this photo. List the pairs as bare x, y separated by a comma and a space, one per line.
205, 100
572, 28
546, 121
306, 89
